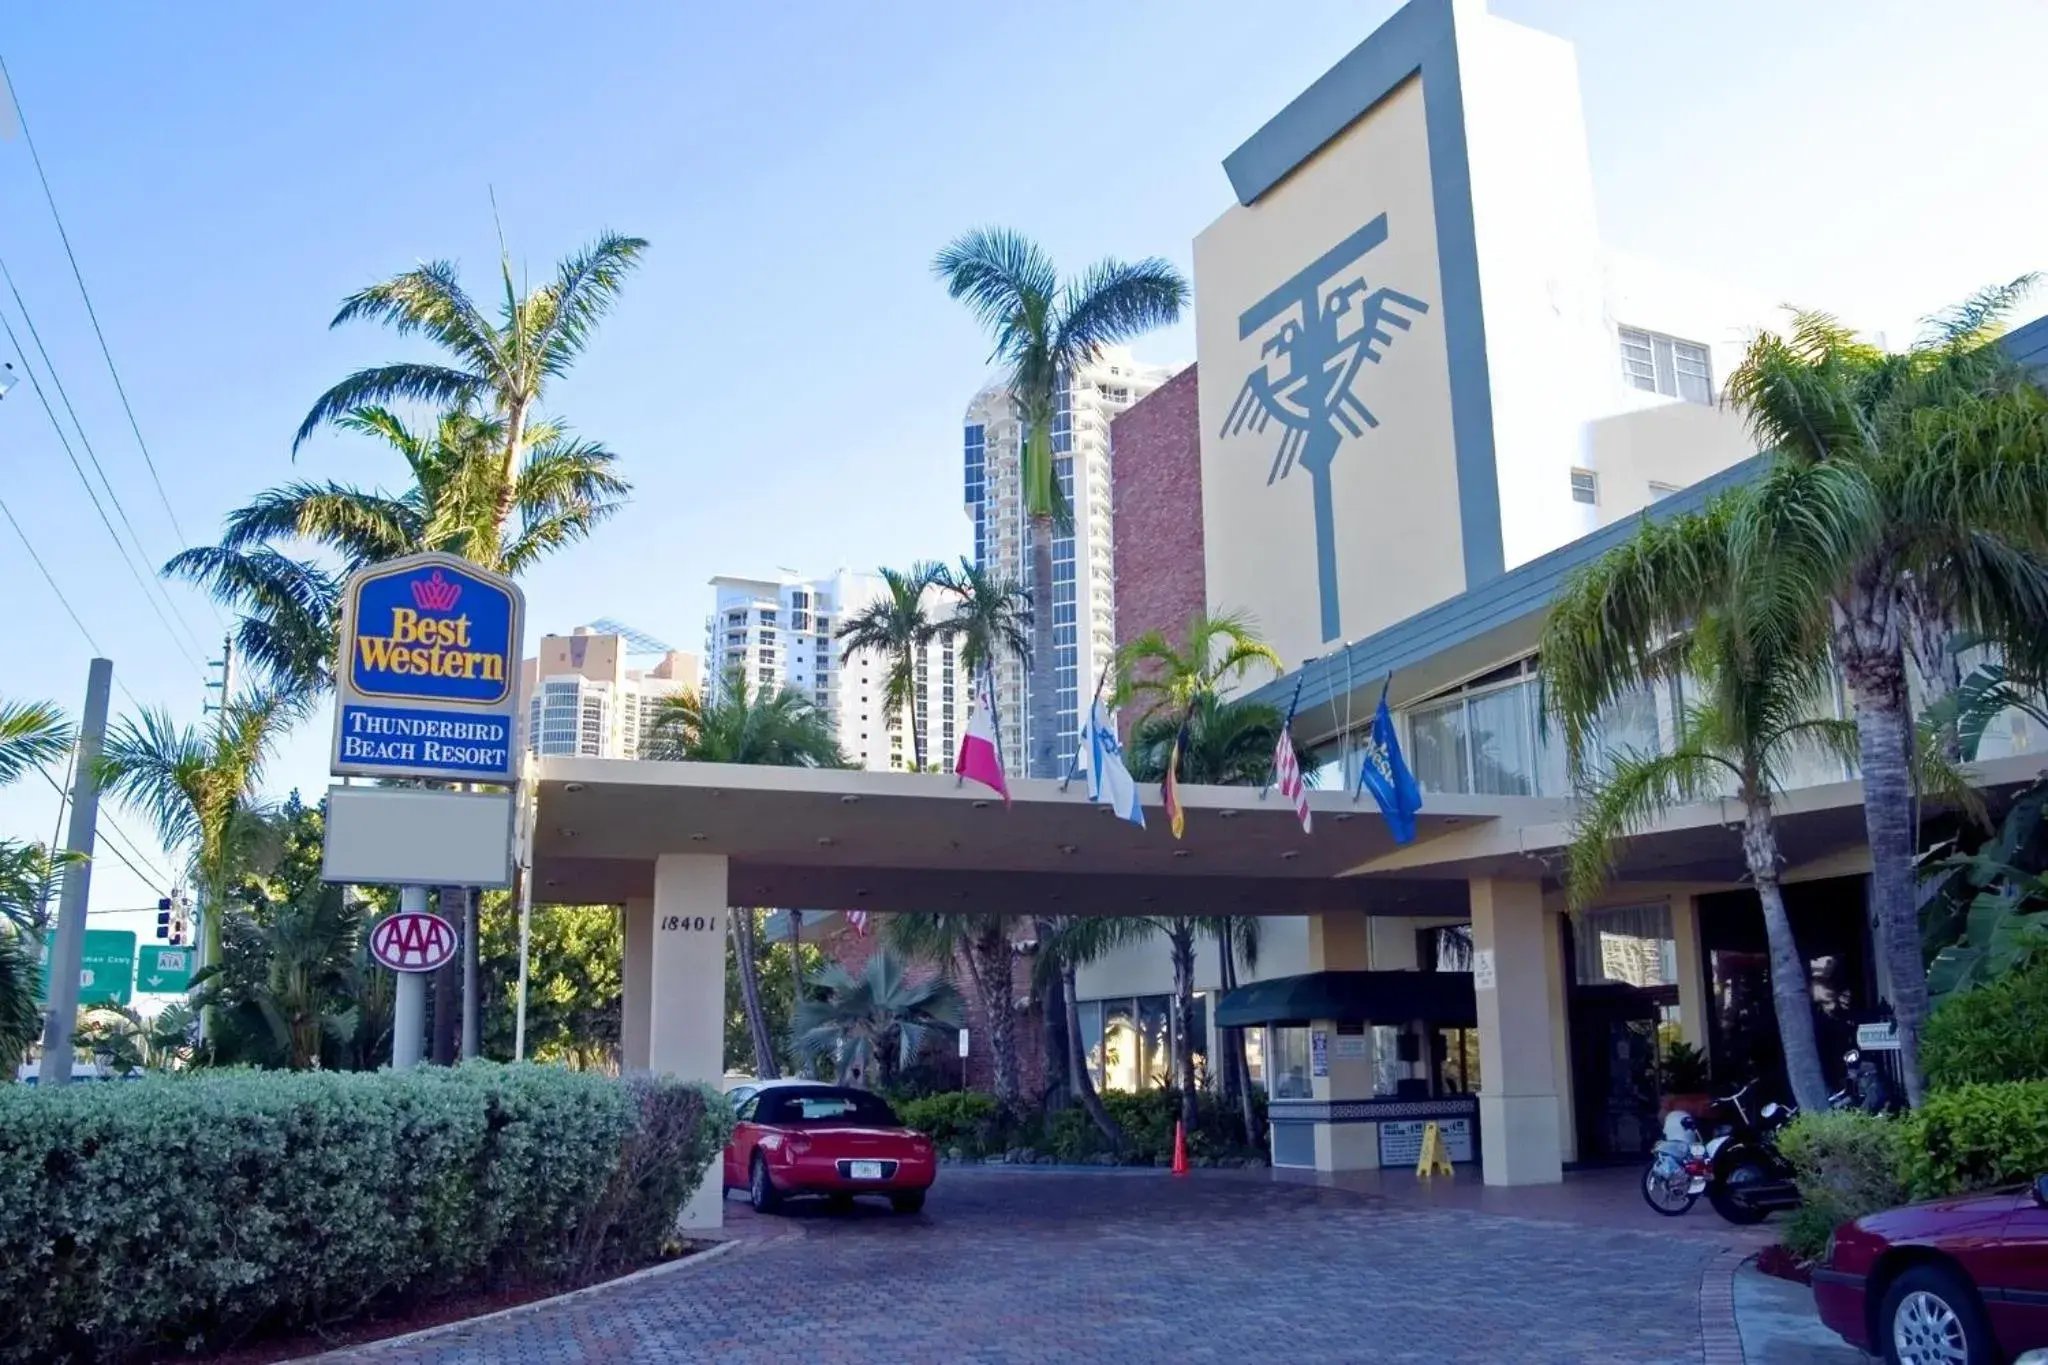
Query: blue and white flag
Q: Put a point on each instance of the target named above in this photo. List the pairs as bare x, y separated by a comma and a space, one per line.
1383, 772
1109, 781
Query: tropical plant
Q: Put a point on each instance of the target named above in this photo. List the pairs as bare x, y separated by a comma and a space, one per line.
562, 489
1907, 500
1215, 654
121, 1038
1986, 913
1757, 661
1998, 1032
1066, 943
574, 987
985, 943
991, 616
897, 626
781, 984
874, 1023
1044, 331
738, 724
505, 366
1237, 940
292, 969
31, 734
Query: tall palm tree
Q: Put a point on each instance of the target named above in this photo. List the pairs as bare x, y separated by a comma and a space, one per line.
852, 1020
199, 787
738, 724
898, 625
1066, 944
505, 365
1044, 331
1757, 659
1237, 940
984, 942
990, 619
562, 490
1215, 652
1909, 499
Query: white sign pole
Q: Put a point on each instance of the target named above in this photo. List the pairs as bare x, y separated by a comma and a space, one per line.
409, 1007
525, 813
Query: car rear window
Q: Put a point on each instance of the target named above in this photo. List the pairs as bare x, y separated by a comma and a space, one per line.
831, 1106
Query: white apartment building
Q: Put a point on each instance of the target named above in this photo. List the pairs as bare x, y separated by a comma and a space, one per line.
585, 697
1082, 602
782, 632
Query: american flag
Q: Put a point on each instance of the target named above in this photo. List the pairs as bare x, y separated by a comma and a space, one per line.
859, 920
1287, 774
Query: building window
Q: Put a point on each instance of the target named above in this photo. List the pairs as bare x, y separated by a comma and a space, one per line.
1585, 487
1656, 363
1287, 1075
1661, 490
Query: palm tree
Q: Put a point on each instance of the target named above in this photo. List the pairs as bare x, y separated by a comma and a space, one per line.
1215, 653
1758, 660
1044, 331
294, 971
128, 1042
983, 941
561, 492
897, 626
31, 734
1066, 944
1237, 939
199, 788
1910, 499
505, 365
851, 1021
991, 616
739, 725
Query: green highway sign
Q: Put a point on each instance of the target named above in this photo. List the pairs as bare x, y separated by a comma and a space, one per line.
106, 971
165, 971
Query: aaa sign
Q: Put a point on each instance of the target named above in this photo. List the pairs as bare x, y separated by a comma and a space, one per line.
411, 942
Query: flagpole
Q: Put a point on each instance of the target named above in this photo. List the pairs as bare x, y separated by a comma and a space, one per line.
1074, 763
1359, 786
1272, 767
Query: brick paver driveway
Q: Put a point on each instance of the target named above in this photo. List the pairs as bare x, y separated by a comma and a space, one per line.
1044, 1267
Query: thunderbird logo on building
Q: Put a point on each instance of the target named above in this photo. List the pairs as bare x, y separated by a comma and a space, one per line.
1331, 320
437, 641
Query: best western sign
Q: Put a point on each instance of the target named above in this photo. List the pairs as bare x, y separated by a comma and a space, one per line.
426, 685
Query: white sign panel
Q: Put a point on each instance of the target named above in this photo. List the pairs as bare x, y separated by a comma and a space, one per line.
1482, 969
1401, 1140
1318, 1053
1878, 1037
963, 1042
1352, 1047
402, 836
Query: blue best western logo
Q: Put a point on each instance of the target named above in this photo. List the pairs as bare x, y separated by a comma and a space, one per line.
426, 682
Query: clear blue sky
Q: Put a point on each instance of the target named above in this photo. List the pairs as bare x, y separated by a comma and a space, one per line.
783, 379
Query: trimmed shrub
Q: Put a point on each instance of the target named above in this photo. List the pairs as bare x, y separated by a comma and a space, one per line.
1997, 1032
1977, 1137
190, 1211
1847, 1164
954, 1116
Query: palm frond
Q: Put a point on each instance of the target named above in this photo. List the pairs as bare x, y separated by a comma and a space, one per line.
1114, 301
430, 300
585, 287
32, 733
1978, 320
1005, 280
411, 382
1637, 788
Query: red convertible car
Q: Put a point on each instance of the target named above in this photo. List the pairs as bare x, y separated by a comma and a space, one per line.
826, 1140
1955, 1282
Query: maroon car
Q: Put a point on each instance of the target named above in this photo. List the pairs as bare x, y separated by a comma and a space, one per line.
1953, 1282
825, 1140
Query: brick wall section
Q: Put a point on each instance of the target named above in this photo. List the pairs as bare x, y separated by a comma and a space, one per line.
852, 951
1156, 509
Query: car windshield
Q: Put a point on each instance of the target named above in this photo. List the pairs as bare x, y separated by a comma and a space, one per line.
827, 1106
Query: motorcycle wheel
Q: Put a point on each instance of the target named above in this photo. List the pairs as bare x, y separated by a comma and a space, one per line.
1665, 1191
1721, 1194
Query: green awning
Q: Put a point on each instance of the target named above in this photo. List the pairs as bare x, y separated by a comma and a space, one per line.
1443, 998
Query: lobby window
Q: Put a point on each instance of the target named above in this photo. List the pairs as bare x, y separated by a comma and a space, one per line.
1484, 739
1656, 363
1129, 1042
1585, 487
1630, 947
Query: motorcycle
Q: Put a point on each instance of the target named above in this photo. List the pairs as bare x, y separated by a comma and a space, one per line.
1678, 1169
1749, 1178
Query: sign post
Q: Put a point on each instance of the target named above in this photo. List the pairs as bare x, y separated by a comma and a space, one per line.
425, 688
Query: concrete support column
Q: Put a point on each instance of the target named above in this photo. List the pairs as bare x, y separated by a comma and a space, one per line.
637, 976
686, 990
1339, 941
1519, 1118
1555, 977
1342, 941
1692, 970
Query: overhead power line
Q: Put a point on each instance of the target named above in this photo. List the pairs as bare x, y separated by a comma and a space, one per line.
119, 546
116, 838
21, 118
62, 600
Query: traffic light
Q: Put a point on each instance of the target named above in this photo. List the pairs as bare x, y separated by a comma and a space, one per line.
163, 917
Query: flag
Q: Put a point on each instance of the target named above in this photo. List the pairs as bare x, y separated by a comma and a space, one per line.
859, 920
1383, 772
1109, 781
981, 756
1287, 774
1169, 790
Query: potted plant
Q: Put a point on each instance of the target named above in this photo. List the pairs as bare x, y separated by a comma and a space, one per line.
1685, 1082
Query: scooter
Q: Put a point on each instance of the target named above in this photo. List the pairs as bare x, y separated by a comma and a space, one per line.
1749, 1178
1678, 1169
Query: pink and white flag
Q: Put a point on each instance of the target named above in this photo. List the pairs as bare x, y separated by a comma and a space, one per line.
981, 754
859, 920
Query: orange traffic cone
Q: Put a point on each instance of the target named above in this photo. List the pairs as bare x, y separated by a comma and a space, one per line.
1180, 1147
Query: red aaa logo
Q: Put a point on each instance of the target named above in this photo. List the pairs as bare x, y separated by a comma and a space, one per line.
413, 942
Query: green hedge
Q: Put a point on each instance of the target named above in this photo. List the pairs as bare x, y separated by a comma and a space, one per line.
1847, 1164
950, 1117
972, 1122
190, 1211
1977, 1137
1996, 1032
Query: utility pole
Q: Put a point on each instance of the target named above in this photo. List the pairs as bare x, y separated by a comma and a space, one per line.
68, 955
226, 686
206, 936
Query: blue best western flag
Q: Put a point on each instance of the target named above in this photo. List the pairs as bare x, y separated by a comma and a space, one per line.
1383, 772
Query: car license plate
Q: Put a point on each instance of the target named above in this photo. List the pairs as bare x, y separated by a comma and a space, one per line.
1696, 1184
864, 1170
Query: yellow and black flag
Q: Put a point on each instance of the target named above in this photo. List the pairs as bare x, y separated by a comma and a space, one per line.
1169, 790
